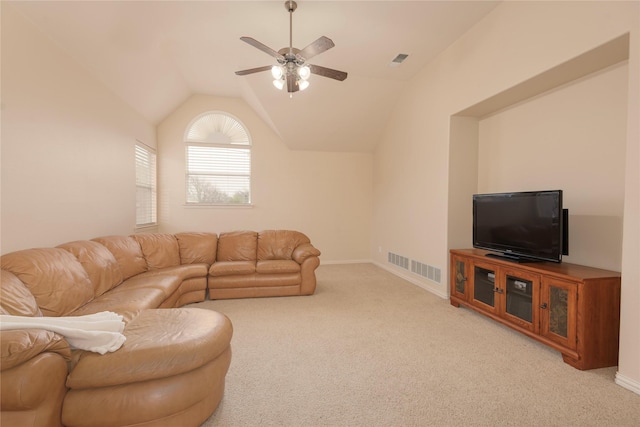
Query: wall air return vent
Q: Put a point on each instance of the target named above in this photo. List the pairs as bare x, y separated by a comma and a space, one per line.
427, 271
424, 270
398, 260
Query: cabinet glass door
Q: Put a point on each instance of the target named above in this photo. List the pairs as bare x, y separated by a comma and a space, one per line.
558, 310
459, 274
521, 298
484, 286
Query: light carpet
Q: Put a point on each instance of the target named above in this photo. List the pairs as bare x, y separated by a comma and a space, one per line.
371, 349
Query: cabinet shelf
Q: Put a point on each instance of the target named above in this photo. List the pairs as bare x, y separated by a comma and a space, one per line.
572, 308
520, 294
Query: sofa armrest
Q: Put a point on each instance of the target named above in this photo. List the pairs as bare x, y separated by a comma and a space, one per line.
31, 393
304, 251
21, 345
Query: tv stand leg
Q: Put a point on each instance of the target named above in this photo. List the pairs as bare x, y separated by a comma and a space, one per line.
572, 362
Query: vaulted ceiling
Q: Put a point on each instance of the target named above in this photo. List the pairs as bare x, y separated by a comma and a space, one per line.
154, 55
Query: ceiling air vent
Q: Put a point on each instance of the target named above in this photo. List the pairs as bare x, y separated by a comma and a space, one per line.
398, 59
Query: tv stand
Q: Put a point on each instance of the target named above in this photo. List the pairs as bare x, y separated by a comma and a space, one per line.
571, 308
510, 258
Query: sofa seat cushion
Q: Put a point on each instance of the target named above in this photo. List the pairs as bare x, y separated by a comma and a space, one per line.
137, 293
277, 266
160, 343
232, 268
124, 299
147, 290
182, 272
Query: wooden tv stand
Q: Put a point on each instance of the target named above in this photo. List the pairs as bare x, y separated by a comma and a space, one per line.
571, 308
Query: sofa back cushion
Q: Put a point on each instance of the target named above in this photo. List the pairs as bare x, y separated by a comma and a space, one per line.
99, 263
127, 252
159, 250
237, 246
196, 248
53, 276
279, 244
15, 298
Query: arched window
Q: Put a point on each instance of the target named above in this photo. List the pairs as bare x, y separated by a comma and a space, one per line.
218, 152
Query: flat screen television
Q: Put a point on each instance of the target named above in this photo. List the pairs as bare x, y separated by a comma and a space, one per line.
521, 226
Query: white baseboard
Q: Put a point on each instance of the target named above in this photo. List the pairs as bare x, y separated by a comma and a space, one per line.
413, 280
409, 278
351, 261
628, 383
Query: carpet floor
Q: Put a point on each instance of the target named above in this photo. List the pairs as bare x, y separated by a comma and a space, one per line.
371, 349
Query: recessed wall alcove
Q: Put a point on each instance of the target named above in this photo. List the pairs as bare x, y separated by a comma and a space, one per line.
558, 149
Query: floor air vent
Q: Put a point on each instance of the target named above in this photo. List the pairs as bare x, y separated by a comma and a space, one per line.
398, 260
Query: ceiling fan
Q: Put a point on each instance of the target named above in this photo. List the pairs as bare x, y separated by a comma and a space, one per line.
292, 68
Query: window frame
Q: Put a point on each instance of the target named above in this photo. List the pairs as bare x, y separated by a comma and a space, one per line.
151, 185
245, 146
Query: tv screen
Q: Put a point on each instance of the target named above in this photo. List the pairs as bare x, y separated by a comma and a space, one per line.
523, 226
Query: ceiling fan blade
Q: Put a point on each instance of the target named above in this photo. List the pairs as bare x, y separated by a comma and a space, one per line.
292, 84
317, 47
253, 70
327, 72
266, 49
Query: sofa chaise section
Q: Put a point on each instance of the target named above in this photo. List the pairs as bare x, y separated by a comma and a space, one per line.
170, 372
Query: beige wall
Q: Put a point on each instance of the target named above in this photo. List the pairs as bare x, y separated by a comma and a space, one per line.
629, 361
412, 169
573, 139
324, 195
68, 168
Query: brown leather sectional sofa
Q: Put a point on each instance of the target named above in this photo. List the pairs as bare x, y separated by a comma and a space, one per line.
172, 366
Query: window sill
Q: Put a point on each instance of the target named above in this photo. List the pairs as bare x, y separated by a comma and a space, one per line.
146, 227
216, 206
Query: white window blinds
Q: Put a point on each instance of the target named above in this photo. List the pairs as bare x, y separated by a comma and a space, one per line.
218, 161
145, 186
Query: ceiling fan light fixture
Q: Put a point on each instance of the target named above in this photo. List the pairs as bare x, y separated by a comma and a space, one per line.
292, 70
278, 83
277, 72
304, 72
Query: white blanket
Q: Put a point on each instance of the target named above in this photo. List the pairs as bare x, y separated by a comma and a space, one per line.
100, 332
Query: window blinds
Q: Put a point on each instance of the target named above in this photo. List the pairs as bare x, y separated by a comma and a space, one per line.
145, 186
218, 161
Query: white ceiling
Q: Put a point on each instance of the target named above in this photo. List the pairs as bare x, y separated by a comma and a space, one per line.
155, 54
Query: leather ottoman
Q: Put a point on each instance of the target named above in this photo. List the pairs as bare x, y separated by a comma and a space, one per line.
170, 371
